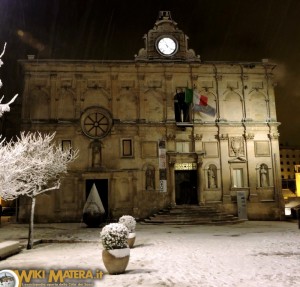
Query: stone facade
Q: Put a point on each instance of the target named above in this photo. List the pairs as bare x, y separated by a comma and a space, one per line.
140, 147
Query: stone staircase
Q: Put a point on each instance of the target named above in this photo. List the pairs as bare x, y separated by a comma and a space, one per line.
192, 215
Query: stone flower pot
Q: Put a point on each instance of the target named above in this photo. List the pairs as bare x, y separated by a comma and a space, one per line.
114, 238
116, 260
130, 223
131, 239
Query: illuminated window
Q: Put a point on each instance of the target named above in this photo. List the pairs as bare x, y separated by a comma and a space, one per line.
237, 177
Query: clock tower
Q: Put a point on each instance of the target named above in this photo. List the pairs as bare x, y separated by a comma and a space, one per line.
165, 42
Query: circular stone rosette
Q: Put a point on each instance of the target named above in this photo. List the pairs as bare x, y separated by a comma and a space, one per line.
96, 122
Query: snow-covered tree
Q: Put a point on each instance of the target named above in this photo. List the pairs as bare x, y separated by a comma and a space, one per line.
36, 165
31, 165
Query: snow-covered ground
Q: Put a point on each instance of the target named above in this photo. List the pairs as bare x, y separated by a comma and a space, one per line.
248, 254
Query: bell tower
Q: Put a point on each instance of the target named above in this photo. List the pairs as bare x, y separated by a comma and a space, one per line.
165, 42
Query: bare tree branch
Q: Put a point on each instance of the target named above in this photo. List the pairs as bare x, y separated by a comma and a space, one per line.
3, 50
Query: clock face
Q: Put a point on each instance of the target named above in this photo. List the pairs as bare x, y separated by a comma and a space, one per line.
167, 46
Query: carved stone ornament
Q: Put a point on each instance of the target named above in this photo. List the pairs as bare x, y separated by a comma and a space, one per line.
236, 146
223, 137
196, 137
219, 77
66, 83
169, 77
171, 137
249, 136
274, 136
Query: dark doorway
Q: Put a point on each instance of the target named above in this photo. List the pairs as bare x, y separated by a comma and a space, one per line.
186, 187
102, 187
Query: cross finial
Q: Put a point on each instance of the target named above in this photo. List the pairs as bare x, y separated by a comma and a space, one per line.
164, 15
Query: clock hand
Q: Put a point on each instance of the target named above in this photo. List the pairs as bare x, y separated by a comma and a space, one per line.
166, 44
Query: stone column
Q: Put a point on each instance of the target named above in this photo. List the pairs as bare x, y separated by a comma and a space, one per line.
274, 136
78, 91
225, 174
141, 96
200, 181
170, 93
114, 89
253, 196
172, 181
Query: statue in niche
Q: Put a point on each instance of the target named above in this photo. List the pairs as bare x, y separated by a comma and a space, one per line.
263, 176
211, 177
150, 178
96, 147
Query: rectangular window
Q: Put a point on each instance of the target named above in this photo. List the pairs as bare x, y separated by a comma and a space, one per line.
66, 145
237, 177
127, 148
183, 147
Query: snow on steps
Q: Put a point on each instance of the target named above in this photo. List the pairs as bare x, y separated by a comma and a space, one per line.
193, 215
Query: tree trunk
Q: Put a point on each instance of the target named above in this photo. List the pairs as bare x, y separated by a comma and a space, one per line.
30, 233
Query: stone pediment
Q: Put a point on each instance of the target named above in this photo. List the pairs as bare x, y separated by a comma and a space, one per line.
238, 160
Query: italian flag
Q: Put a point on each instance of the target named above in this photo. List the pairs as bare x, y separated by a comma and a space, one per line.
201, 104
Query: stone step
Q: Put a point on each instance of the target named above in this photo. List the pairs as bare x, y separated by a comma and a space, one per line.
192, 214
193, 222
8, 248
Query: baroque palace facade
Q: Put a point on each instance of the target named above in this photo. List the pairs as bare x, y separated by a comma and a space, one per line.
147, 141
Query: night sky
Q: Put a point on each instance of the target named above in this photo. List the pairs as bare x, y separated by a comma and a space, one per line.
218, 30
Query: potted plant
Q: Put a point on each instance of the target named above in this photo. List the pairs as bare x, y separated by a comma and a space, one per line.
130, 223
115, 256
